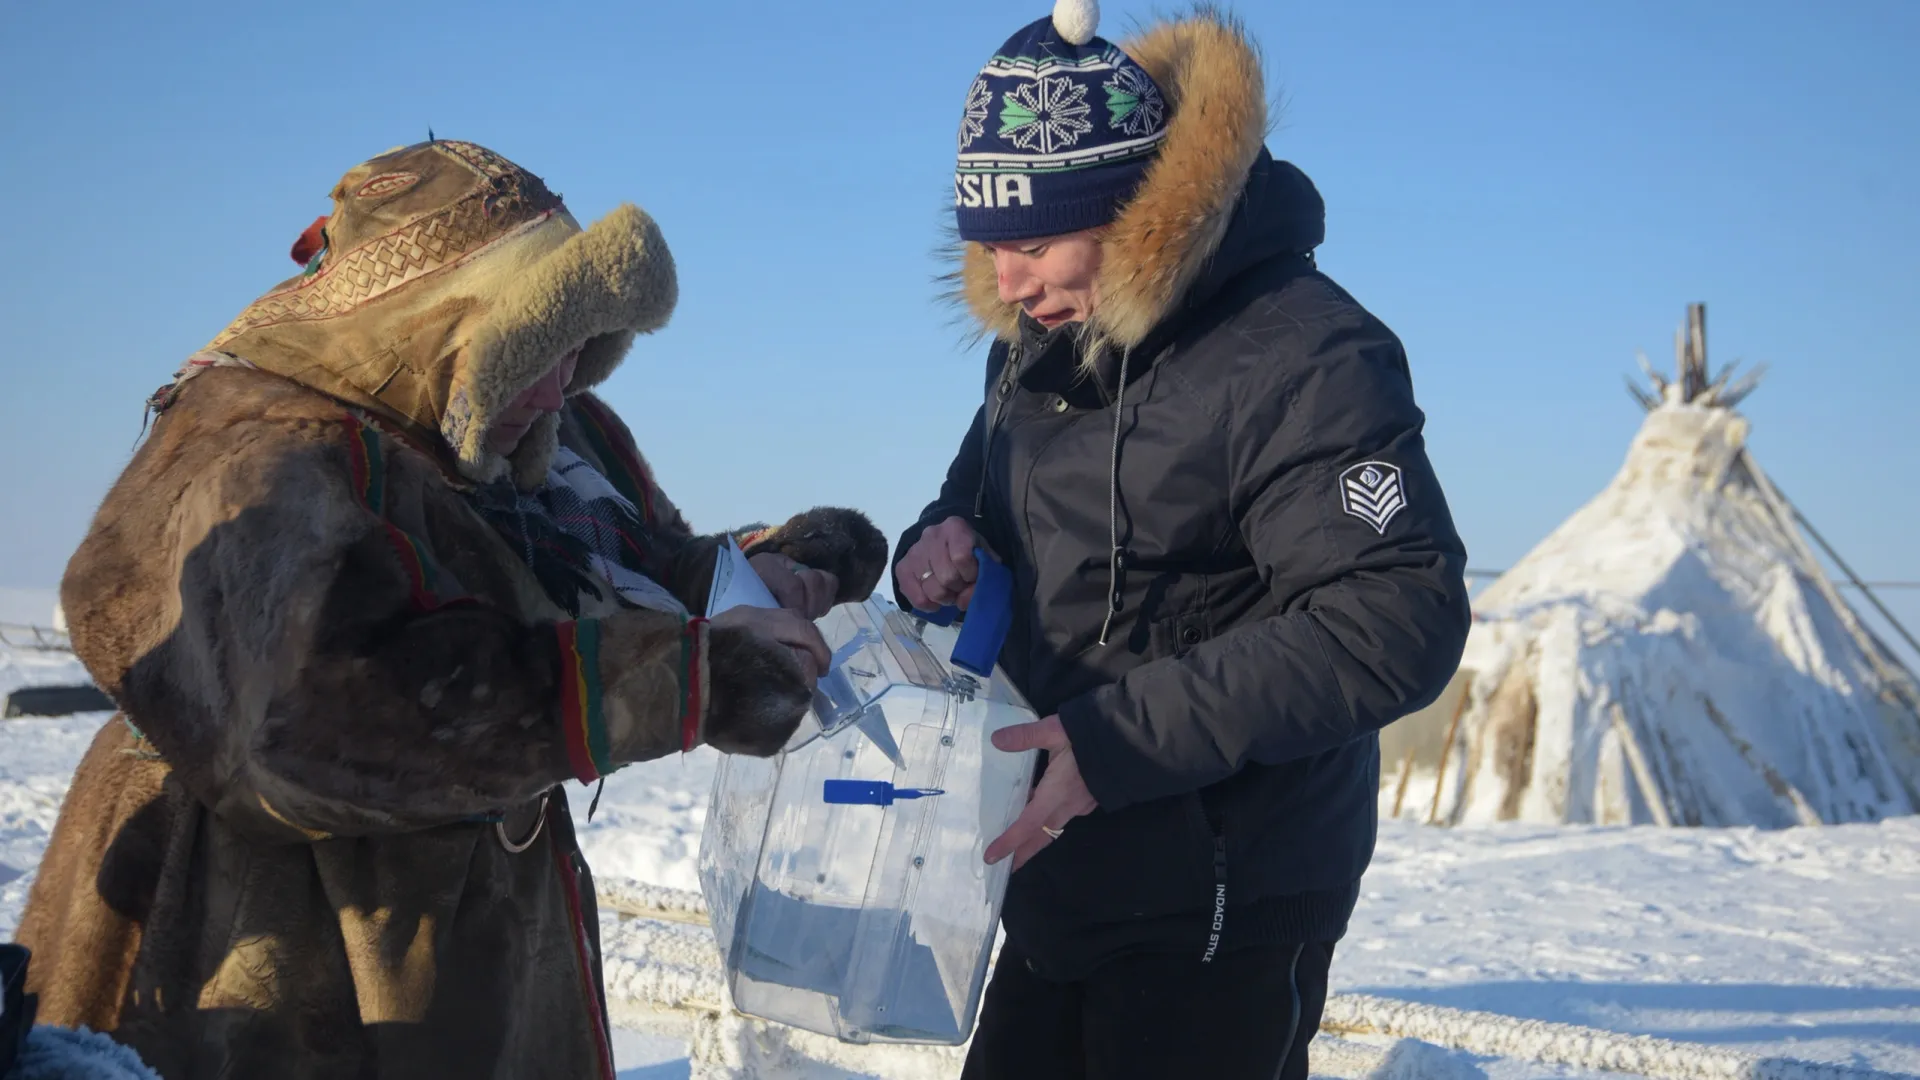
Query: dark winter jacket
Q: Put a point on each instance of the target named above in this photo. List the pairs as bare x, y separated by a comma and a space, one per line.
1278, 577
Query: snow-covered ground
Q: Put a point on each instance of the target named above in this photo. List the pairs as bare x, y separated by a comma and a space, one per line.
1801, 943
37, 759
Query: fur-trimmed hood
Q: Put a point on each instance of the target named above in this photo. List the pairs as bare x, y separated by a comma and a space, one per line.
446, 281
1212, 203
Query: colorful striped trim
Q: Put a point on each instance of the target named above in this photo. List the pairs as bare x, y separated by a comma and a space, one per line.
369, 463
692, 700
582, 719
623, 467
748, 539
366, 457
583, 955
420, 572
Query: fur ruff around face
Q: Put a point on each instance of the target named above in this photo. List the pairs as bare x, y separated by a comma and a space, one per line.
1209, 71
450, 281
600, 289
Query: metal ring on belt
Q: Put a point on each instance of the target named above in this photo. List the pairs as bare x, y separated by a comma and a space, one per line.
500, 829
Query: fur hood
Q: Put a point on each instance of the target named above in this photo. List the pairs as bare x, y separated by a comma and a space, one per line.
447, 280
1165, 236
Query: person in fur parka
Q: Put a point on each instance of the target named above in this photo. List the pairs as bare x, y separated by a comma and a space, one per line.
1202, 462
383, 577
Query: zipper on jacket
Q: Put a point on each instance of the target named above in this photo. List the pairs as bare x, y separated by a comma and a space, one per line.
1008, 372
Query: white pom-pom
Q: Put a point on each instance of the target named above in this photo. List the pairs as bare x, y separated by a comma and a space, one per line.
1076, 20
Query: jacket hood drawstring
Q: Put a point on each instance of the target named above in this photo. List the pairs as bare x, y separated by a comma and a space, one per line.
1113, 503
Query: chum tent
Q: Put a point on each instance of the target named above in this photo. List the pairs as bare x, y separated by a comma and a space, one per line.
1673, 654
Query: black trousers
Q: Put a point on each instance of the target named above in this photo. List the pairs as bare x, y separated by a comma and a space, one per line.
1248, 1015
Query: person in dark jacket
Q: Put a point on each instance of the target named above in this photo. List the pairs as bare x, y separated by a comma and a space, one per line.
1203, 463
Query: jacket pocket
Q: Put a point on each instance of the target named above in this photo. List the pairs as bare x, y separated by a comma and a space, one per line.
1176, 635
1305, 826
1150, 860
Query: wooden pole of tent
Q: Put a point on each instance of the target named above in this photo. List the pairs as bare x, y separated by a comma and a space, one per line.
1650, 790
1694, 379
1446, 751
1865, 589
1888, 665
1406, 774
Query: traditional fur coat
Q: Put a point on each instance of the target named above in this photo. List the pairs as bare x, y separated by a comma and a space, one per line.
326, 839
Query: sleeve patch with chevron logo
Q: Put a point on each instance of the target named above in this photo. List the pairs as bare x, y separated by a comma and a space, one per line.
1372, 491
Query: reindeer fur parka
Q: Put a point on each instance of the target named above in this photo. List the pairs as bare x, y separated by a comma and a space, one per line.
326, 837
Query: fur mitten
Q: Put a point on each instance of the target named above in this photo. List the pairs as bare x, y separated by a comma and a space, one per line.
842, 542
759, 693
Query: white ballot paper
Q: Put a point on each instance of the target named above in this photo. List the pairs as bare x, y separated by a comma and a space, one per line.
735, 582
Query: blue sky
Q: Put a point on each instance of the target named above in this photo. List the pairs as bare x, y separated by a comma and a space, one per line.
1526, 192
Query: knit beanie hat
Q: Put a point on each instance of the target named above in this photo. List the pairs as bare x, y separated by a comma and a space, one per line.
1059, 130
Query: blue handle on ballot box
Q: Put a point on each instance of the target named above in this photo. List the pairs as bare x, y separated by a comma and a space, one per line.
984, 625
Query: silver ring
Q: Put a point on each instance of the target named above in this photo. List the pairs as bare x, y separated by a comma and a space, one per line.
925, 574
1051, 831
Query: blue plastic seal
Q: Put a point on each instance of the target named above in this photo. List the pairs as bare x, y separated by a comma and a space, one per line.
871, 792
984, 625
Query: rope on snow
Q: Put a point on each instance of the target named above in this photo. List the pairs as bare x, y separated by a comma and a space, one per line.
640, 900
1565, 1044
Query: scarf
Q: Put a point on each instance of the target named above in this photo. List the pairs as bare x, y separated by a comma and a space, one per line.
579, 536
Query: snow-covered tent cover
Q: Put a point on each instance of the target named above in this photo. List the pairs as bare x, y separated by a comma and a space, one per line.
1675, 654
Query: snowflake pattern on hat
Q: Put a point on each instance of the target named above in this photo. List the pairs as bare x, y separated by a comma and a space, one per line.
1045, 115
1134, 102
974, 121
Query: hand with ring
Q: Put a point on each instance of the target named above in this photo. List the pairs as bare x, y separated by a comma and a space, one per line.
939, 569
1059, 797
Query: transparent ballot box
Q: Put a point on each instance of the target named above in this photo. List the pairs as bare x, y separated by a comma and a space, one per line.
844, 875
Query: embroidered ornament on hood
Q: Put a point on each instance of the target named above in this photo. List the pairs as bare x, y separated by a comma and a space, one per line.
1372, 492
